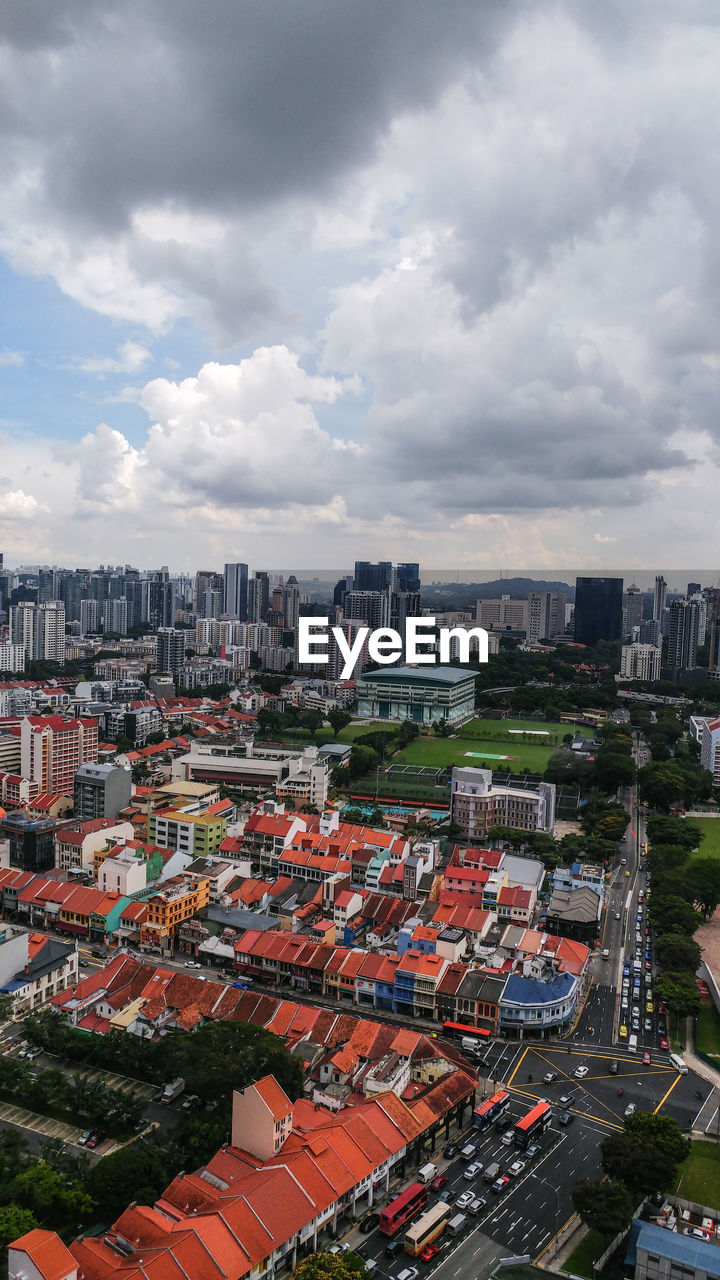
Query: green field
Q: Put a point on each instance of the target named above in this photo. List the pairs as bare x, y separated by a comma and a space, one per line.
707, 1031
484, 741
580, 1261
710, 845
700, 1177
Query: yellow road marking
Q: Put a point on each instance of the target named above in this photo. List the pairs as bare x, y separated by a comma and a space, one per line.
662, 1101
519, 1063
559, 1232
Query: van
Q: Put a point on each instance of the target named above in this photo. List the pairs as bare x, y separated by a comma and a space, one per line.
455, 1225
632, 1044
469, 1151
677, 1062
605, 954
491, 1173
428, 1171
392, 1247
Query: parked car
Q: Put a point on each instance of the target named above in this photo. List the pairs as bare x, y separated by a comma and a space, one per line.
477, 1205
472, 1171
340, 1248
369, 1223
192, 964
500, 1184
450, 1150
532, 1151
92, 1141
85, 1138
697, 1233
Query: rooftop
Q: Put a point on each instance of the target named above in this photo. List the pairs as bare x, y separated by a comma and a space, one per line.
418, 675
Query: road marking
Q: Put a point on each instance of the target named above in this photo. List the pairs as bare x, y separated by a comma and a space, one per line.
518, 1064
664, 1099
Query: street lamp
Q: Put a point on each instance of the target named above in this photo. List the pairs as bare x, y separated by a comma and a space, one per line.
545, 1182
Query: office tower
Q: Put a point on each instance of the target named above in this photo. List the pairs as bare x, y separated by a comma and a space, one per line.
373, 577
682, 635
235, 581
659, 602
75, 587
640, 662
713, 605
291, 603
259, 601
206, 580
632, 609
47, 586
408, 577
598, 609
504, 614
89, 617
342, 586
370, 607
545, 615
693, 589
650, 632
170, 650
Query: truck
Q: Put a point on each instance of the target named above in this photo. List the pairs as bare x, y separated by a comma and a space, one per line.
427, 1173
172, 1090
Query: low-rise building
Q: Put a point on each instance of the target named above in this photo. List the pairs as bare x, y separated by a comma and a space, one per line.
33, 968
477, 804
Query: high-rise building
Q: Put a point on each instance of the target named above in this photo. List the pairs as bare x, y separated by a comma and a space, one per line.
640, 662
101, 790
212, 605
115, 616
408, 577
235, 582
546, 615
369, 607
632, 609
48, 585
598, 609
89, 617
693, 589
660, 602
158, 600
650, 633
205, 580
170, 650
682, 635
342, 586
291, 603
373, 577
52, 750
259, 601
713, 605
41, 629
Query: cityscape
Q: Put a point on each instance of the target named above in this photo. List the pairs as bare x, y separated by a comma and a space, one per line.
359, 640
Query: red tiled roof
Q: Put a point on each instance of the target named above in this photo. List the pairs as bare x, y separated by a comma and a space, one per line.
47, 1253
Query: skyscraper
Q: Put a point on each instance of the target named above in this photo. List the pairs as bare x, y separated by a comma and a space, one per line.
598, 609
546, 615
633, 609
659, 602
713, 603
682, 635
291, 603
259, 601
170, 650
373, 577
235, 585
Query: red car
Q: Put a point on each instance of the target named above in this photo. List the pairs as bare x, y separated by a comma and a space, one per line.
664, 1042
500, 1184
439, 1181
646, 1059
429, 1253
662, 1009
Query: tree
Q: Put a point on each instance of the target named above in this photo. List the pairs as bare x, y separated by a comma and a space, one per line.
702, 880
674, 952
605, 1207
47, 1193
123, 743
663, 1131
638, 1163
661, 785
672, 915
330, 1266
675, 831
613, 770
312, 721
15, 1222
339, 719
612, 826
678, 993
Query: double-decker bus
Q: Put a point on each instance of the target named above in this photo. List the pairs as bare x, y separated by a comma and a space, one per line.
533, 1124
404, 1207
427, 1228
491, 1109
455, 1030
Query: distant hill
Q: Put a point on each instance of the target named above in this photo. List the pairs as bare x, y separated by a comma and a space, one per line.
462, 595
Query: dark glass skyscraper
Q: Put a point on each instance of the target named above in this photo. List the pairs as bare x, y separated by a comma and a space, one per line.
598, 609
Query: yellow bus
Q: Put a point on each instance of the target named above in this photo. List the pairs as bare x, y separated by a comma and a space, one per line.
427, 1228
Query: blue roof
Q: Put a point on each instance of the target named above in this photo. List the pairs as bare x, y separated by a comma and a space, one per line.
699, 1254
519, 990
422, 675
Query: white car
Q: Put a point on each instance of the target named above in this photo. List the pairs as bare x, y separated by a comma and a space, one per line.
465, 1199
630, 1109
192, 964
507, 1138
516, 1168
472, 1171
549, 1077
580, 1072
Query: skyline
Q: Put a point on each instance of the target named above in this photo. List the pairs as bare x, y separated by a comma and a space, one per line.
405, 281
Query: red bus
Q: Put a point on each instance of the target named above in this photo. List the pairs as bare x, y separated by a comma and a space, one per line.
533, 1124
491, 1109
403, 1208
453, 1029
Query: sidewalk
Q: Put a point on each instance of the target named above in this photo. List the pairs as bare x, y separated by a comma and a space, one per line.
701, 1068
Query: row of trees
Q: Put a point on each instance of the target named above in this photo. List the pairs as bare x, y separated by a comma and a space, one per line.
53, 1093
641, 1161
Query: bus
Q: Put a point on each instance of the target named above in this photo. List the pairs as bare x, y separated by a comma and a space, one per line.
427, 1228
491, 1109
533, 1124
454, 1030
404, 1207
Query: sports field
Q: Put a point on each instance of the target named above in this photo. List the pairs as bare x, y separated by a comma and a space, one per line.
710, 844
499, 744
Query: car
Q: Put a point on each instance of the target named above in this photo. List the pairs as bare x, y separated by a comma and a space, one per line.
613, 1068
408, 1273
84, 964
566, 1099
500, 1184
392, 1247
549, 1077
532, 1151
32, 1054
143, 1124
342, 1248
429, 1252
649, 1006
580, 1072
451, 1150
697, 1233
503, 1123
477, 1205
191, 1101
630, 1110
192, 964
646, 1059
647, 1024
369, 1223
566, 1118
664, 1044
507, 1138
465, 1198
516, 1168
627, 873
661, 1008
617, 915
624, 1003
622, 1031
472, 1171
438, 1182
92, 1141
85, 1138
447, 1196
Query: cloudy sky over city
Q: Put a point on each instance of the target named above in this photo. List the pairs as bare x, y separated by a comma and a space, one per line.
299, 282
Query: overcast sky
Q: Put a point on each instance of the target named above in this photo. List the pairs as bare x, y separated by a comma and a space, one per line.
294, 282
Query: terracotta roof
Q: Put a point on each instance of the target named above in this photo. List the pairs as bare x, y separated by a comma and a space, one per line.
275, 1099
47, 1253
